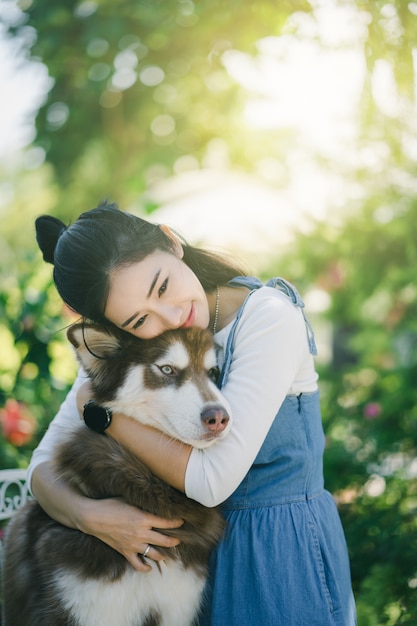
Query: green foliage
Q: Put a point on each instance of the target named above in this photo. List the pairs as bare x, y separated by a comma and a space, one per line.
369, 394
137, 85
36, 364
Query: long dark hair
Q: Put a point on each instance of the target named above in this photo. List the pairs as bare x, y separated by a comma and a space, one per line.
101, 240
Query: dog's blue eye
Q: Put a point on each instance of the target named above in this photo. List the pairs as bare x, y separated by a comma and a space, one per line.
167, 370
214, 374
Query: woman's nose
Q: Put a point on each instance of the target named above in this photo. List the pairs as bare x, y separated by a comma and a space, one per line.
172, 315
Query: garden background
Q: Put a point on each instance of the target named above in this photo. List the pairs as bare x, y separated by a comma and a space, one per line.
285, 132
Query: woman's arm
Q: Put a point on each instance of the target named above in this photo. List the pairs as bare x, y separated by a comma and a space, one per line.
166, 457
64, 423
271, 344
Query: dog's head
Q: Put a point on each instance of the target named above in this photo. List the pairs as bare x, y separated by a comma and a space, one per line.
167, 382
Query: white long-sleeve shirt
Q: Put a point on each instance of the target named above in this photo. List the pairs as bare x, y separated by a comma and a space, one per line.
271, 360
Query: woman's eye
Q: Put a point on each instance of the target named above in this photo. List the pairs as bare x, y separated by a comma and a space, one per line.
163, 287
139, 322
167, 370
214, 374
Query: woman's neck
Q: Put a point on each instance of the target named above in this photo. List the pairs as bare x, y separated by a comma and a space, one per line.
227, 301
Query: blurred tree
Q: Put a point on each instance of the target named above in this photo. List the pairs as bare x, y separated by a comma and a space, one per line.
137, 85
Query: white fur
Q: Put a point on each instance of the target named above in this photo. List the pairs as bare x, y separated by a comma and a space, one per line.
174, 592
176, 354
210, 359
176, 412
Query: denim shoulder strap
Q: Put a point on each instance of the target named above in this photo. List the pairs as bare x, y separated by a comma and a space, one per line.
254, 283
228, 354
289, 290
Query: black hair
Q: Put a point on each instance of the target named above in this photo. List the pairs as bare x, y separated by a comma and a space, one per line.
104, 239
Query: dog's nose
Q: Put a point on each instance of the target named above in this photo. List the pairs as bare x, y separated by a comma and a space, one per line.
215, 418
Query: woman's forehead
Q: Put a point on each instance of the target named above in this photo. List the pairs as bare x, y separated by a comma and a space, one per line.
137, 280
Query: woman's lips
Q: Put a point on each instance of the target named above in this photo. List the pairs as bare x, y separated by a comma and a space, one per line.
190, 319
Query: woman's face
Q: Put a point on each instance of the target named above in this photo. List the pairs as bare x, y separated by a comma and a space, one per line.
157, 294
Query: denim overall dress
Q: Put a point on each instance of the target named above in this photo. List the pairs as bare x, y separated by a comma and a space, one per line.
283, 560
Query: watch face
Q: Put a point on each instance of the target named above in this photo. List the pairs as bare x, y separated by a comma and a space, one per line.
96, 417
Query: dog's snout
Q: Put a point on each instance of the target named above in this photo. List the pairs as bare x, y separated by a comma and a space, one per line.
215, 418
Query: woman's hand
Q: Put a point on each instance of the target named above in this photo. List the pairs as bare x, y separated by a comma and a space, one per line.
127, 530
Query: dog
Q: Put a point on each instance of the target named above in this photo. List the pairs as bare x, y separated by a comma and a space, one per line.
58, 576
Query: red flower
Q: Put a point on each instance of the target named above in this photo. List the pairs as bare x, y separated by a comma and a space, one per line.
18, 424
372, 410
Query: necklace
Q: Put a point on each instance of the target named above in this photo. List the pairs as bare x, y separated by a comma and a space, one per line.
216, 310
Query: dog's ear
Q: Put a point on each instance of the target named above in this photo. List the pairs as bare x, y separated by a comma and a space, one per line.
93, 344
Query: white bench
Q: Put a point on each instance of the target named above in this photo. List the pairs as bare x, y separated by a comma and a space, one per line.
14, 491
13, 495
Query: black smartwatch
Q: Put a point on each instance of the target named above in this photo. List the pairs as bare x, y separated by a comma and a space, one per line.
96, 417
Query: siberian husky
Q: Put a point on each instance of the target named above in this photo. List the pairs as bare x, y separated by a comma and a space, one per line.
57, 576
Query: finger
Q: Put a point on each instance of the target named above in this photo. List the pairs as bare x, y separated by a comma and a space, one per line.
138, 563
152, 554
162, 523
155, 555
164, 541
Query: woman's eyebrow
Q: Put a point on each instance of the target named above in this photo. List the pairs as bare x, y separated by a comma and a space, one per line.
152, 287
155, 279
131, 318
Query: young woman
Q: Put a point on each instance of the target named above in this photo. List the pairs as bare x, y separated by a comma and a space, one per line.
283, 560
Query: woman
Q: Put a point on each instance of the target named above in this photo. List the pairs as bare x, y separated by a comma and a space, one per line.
283, 560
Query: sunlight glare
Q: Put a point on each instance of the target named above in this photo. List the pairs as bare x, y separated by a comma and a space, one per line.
309, 79
298, 84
